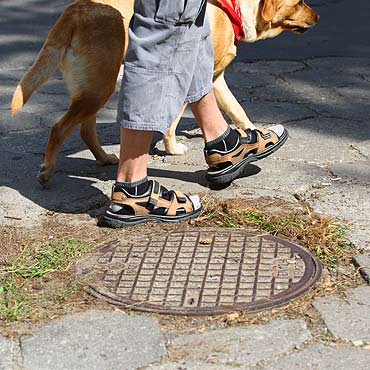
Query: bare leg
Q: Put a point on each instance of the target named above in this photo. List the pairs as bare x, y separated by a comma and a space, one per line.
134, 150
209, 117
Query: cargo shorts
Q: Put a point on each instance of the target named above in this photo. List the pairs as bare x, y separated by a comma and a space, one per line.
169, 62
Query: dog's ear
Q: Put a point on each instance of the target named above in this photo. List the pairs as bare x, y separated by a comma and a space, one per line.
269, 10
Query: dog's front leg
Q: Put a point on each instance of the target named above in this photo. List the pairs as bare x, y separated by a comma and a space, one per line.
228, 103
170, 143
89, 136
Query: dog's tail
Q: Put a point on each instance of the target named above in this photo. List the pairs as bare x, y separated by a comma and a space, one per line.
47, 62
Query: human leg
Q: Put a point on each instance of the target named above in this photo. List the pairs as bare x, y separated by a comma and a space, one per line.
228, 151
208, 115
134, 148
154, 87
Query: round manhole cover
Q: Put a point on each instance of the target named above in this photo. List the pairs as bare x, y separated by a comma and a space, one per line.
203, 272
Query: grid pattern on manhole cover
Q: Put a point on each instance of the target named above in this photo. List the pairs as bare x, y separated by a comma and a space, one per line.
206, 271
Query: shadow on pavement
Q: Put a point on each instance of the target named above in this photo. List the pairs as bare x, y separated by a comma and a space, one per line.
73, 188
327, 90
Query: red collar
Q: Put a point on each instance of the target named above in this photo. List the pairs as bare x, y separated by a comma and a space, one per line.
233, 12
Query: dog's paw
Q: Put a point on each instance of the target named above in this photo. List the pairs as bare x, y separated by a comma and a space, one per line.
108, 160
45, 174
178, 149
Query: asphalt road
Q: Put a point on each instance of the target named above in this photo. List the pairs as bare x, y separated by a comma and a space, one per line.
343, 31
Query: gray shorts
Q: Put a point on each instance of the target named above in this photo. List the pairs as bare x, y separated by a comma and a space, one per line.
169, 61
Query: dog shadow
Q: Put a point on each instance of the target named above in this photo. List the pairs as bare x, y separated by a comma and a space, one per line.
79, 185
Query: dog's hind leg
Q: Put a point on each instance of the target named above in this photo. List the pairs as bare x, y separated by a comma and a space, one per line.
89, 136
79, 111
227, 102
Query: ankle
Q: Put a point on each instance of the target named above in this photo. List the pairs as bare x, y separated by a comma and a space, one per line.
136, 188
225, 142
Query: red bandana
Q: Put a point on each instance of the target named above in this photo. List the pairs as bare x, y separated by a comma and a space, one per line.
233, 12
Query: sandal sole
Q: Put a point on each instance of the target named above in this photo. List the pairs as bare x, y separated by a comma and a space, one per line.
115, 222
231, 173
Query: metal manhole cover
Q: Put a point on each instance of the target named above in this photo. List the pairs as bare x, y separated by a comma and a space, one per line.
203, 272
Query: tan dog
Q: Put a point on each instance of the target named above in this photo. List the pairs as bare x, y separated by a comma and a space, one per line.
88, 43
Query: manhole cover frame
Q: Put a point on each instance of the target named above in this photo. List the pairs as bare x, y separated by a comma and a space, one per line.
311, 275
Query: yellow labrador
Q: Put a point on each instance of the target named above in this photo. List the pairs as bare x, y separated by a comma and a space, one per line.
88, 43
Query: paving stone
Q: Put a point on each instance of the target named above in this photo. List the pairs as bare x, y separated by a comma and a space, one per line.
191, 365
316, 141
321, 75
276, 112
358, 171
242, 346
363, 148
323, 357
349, 202
94, 340
9, 354
343, 107
361, 295
294, 91
362, 261
347, 319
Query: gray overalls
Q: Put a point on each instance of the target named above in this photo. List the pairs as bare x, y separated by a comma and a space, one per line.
169, 61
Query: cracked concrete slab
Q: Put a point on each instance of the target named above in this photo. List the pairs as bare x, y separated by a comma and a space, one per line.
191, 365
362, 262
347, 202
319, 356
276, 112
94, 340
347, 319
241, 347
10, 358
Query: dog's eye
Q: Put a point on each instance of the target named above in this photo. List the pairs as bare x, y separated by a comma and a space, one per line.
301, 2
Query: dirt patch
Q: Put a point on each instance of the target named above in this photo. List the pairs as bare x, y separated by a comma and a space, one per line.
57, 292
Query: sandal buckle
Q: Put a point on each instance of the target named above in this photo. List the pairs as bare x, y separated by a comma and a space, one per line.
153, 201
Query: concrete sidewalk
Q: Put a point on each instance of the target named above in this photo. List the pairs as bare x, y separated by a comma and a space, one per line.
317, 84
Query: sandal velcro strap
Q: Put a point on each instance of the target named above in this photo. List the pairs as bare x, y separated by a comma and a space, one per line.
181, 197
154, 194
266, 134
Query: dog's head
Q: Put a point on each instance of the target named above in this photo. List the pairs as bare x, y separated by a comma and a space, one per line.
267, 18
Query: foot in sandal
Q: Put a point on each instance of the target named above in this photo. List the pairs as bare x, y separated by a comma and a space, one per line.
156, 204
228, 157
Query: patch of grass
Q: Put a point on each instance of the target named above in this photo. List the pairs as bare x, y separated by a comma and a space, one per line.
323, 235
13, 302
33, 265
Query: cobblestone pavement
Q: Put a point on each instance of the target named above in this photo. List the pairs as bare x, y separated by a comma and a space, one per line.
316, 84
